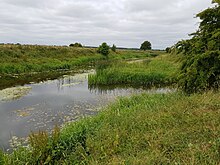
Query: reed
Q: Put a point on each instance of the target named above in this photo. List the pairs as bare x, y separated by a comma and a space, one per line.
158, 71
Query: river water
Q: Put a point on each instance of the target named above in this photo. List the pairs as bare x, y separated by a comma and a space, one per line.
42, 106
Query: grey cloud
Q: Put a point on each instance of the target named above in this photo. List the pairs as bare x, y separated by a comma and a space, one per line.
78, 11
31, 3
126, 23
147, 5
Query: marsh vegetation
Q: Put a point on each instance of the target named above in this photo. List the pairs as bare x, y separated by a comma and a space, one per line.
176, 127
149, 72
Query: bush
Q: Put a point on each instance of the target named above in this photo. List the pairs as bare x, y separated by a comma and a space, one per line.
168, 50
146, 45
113, 48
201, 68
76, 45
104, 49
201, 72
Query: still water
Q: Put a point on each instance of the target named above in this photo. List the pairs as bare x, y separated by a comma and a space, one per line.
41, 106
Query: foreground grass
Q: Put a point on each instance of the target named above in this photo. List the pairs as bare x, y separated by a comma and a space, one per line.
144, 129
158, 71
17, 59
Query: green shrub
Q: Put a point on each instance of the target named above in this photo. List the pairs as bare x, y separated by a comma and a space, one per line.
201, 69
76, 45
146, 45
104, 49
201, 72
113, 48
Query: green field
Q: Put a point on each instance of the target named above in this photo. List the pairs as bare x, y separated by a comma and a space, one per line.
19, 59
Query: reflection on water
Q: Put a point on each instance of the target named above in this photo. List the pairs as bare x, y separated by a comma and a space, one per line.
53, 102
117, 89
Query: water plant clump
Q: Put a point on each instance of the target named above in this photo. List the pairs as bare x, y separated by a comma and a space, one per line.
14, 93
149, 72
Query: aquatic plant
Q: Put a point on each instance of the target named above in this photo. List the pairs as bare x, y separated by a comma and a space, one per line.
150, 72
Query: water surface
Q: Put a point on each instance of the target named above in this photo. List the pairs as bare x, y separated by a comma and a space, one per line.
53, 102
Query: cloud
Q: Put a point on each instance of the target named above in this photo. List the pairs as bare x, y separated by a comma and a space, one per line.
126, 23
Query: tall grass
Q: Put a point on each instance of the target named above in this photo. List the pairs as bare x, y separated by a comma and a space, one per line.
158, 71
144, 129
2, 161
133, 54
17, 59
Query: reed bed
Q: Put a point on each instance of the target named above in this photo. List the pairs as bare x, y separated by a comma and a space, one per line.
159, 71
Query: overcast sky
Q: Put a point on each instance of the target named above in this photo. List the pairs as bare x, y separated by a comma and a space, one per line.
126, 23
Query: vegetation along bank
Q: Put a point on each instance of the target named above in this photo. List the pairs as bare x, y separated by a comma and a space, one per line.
173, 128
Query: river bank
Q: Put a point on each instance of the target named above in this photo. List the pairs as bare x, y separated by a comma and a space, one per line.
21, 59
23, 64
144, 129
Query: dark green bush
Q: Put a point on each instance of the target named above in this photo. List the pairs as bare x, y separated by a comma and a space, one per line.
104, 49
76, 45
113, 48
201, 69
201, 72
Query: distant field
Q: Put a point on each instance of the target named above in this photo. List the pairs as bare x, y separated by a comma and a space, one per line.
17, 59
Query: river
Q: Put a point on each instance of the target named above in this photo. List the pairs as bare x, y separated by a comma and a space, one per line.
43, 105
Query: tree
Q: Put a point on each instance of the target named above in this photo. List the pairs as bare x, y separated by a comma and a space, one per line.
201, 68
113, 48
146, 45
168, 50
76, 45
103, 49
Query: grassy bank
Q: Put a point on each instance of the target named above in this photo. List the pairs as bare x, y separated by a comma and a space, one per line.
145, 129
17, 59
158, 71
21, 64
